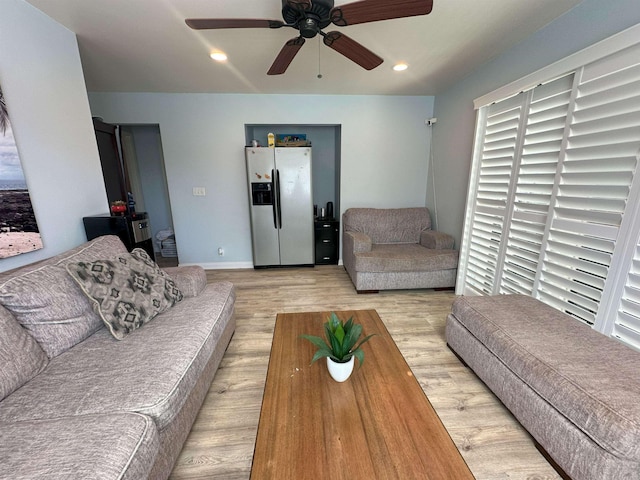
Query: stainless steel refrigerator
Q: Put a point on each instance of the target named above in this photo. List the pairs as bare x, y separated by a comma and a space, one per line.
281, 205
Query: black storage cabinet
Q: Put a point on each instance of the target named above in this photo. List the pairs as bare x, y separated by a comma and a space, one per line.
133, 230
326, 239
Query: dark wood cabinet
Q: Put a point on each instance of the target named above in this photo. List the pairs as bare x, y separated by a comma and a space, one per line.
111, 161
326, 239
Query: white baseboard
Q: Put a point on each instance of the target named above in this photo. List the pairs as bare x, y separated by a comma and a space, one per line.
220, 265
226, 265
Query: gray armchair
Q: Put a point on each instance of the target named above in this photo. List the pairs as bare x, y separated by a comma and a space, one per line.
387, 249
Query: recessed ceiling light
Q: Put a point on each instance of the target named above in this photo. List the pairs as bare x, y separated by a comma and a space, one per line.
399, 67
218, 56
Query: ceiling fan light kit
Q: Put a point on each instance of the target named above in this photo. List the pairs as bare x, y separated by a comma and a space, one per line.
310, 17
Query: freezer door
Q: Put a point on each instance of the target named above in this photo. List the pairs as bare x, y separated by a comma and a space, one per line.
296, 205
264, 234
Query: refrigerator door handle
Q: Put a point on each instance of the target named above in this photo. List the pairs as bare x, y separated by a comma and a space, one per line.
274, 204
278, 198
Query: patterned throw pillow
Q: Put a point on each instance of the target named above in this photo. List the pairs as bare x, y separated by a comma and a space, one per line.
128, 290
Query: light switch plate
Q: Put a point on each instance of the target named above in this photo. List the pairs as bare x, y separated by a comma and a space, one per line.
199, 191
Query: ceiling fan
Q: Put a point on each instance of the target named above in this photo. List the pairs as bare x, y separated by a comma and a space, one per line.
309, 17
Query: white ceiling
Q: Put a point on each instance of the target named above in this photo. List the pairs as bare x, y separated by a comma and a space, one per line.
145, 46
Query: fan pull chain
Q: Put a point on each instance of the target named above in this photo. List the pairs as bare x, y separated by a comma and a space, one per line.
319, 49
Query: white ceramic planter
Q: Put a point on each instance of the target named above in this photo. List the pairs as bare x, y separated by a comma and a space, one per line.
340, 371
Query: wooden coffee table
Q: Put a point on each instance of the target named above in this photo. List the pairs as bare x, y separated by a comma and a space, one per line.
378, 424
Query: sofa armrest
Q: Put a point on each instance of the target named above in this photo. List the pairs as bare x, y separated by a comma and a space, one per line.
352, 243
191, 280
360, 242
436, 240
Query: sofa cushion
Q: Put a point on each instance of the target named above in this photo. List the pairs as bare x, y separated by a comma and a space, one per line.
115, 446
406, 257
597, 394
388, 225
21, 358
151, 371
49, 304
128, 290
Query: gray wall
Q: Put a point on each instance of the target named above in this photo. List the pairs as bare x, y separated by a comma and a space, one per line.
42, 81
586, 24
384, 153
148, 146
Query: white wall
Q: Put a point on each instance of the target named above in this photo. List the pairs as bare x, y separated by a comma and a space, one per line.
44, 88
584, 25
384, 156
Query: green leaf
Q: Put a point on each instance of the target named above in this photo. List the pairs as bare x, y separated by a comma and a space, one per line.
354, 334
327, 330
339, 333
321, 353
317, 341
336, 346
333, 321
346, 357
349, 324
365, 339
359, 354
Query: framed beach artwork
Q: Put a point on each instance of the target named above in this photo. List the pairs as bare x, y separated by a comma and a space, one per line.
18, 227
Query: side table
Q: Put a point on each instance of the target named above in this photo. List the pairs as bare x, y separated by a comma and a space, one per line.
326, 239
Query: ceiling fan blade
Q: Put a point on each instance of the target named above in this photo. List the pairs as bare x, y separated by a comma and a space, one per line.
217, 23
352, 50
286, 56
366, 11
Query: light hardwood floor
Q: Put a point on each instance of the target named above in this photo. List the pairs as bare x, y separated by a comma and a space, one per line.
221, 442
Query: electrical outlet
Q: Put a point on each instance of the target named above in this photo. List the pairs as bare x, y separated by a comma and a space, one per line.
221, 251
199, 191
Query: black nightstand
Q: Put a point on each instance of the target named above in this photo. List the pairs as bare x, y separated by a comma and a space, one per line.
326, 233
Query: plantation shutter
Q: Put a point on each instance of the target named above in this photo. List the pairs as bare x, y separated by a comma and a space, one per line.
626, 327
497, 155
554, 197
597, 172
543, 137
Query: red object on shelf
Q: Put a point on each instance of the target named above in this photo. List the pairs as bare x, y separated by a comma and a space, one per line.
118, 209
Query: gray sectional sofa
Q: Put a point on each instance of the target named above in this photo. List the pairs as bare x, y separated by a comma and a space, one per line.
76, 402
395, 248
575, 390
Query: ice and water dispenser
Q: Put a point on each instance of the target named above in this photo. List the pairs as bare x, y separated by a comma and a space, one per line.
261, 193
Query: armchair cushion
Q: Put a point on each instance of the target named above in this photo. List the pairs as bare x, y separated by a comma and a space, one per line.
405, 257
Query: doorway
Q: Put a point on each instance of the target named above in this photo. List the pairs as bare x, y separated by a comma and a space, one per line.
144, 166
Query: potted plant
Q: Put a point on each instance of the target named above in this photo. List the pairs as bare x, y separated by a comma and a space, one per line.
341, 346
